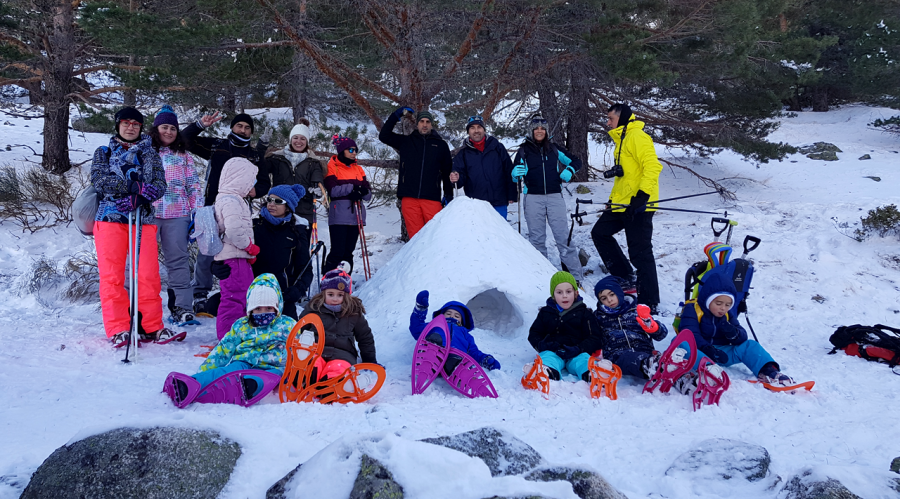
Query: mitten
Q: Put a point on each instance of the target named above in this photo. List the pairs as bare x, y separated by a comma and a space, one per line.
422, 300
566, 175
252, 249
221, 270
645, 321
490, 363
151, 192
638, 204
718, 356
126, 204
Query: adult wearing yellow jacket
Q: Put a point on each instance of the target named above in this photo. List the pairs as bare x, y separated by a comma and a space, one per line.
636, 182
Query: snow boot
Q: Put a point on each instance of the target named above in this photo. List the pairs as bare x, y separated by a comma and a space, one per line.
650, 364
673, 363
181, 388
604, 376
537, 376
304, 346
686, 384
712, 381
119, 340
770, 375
163, 336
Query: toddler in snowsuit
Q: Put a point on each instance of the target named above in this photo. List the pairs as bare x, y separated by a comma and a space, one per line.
255, 341
460, 322
345, 326
720, 337
627, 330
565, 332
238, 252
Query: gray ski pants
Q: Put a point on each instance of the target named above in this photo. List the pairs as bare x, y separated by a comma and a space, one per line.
541, 209
173, 240
203, 278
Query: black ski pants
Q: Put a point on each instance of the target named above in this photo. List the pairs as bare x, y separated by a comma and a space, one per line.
638, 236
343, 242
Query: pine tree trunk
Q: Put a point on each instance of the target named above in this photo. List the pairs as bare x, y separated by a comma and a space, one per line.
820, 98
299, 86
579, 120
59, 66
552, 112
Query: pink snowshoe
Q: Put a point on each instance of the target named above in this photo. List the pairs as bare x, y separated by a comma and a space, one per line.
711, 384
171, 389
429, 356
229, 388
673, 364
468, 378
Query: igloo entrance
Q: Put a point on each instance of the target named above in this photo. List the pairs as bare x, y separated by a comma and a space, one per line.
493, 311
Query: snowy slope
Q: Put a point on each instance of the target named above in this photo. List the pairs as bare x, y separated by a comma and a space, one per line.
62, 381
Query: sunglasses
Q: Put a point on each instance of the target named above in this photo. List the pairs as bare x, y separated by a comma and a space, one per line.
351, 149
539, 121
131, 124
278, 201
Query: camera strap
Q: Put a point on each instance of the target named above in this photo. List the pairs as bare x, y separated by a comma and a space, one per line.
621, 145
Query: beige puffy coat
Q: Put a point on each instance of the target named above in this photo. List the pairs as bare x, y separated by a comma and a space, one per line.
232, 211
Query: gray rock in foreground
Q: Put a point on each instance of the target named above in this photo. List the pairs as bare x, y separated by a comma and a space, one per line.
802, 487
503, 453
723, 458
586, 484
895, 465
138, 463
375, 481
278, 490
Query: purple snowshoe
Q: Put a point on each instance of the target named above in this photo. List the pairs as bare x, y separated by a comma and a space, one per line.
181, 396
430, 355
230, 388
468, 378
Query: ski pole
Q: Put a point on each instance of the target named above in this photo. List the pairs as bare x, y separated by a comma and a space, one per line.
519, 183
747, 318
455, 191
367, 271
134, 249
578, 215
683, 197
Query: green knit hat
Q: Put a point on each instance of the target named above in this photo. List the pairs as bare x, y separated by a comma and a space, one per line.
424, 114
559, 278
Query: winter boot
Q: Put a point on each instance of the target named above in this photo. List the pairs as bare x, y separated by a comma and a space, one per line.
711, 383
119, 340
687, 383
163, 336
673, 363
771, 375
650, 365
182, 316
538, 376
604, 375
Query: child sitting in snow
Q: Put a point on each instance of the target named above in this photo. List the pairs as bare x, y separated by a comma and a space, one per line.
627, 330
345, 326
460, 322
565, 335
255, 341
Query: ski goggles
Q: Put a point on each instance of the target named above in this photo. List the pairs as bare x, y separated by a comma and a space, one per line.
537, 121
476, 118
274, 200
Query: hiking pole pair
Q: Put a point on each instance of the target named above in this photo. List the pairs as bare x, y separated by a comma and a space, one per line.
367, 270
134, 255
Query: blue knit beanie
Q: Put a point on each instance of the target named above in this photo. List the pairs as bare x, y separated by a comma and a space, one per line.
166, 116
290, 193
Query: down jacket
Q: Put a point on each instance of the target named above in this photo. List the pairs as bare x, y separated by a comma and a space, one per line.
708, 329
639, 162
425, 162
575, 327
340, 181
542, 161
343, 334
109, 171
486, 175
261, 347
232, 211
460, 336
619, 327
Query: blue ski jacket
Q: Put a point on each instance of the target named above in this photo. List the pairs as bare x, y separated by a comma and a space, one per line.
543, 161
708, 329
460, 337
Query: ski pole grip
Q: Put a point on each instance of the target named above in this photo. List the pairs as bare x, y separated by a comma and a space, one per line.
751, 239
585, 201
579, 215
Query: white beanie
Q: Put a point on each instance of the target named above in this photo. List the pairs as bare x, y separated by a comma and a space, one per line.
300, 129
262, 296
716, 295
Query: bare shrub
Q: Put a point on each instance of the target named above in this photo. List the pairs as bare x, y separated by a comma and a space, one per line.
34, 199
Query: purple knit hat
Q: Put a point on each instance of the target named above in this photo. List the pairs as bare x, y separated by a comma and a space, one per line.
337, 279
342, 143
166, 116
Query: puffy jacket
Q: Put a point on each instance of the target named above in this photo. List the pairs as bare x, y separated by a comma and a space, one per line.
109, 173
575, 327
309, 173
425, 162
639, 162
217, 151
183, 194
340, 180
709, 329
342, 334
543, 161
283, 252
261, 347
460, 337
232, 211
486, 175
619, 328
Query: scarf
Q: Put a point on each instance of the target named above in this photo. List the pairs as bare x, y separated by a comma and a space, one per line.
334, 308
294, 157
479, 145
237, 140
127, 143
344, 159
271, 218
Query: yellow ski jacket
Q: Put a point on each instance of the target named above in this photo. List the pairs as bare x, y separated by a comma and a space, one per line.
639, 162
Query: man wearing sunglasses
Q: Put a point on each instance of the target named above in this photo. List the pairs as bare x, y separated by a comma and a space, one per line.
483, 168
217, 151
425, 165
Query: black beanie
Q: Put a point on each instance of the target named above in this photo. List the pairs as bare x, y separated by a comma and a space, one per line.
128, 113
242, 117
624, 111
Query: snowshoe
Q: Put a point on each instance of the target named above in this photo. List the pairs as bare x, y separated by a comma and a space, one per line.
304, 346
209, 349
181, 317
604, 377
712, 381
791, 388
163, 336
430, 354
181, 388
119, 340
357, 384
469, 378
536, 376
238, 388
673, 364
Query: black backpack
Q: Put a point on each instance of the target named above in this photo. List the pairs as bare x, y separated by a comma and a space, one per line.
858, 340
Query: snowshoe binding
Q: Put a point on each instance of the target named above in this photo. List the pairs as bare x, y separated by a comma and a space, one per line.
119, 340
245, 388
357, 384
673, 363
537, 377
430, 354
604, 377
469, 378
163, 336
304, 346
712, 381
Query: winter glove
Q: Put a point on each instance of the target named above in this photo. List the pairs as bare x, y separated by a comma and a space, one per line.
566, 174
400, 110
638, 204
422, 300
266, 135
134, 187
221, 270
645, 321
519, 171
364, 189
563, 158
292, 295
252, 249
126, 204
490, 363
252, 260
151, 192
718, 356
444, 201
355, 194
566, 352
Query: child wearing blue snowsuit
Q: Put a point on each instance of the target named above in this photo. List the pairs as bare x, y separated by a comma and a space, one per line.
721, 337
460, 322
625, 342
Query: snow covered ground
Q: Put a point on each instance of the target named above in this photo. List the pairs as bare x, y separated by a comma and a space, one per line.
62, 381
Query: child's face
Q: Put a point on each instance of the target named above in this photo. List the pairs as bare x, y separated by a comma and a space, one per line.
608, 298
720, 306
453, 314
263, 310
334, 297
565, 295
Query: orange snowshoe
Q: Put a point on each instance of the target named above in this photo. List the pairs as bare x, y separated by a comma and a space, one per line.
304, 346
536, 377
357, 384
604, 377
